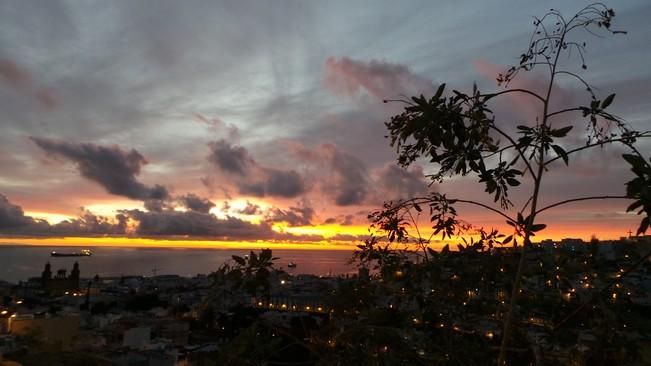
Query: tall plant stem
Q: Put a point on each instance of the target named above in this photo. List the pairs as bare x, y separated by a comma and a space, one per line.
510, 316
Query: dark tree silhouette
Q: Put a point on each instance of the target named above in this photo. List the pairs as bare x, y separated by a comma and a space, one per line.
460, 135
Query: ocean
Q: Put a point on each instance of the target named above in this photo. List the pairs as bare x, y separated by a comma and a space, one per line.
18, 263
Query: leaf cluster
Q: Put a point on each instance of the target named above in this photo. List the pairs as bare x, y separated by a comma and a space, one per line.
451, 131
639, 189
250, 273
542, 137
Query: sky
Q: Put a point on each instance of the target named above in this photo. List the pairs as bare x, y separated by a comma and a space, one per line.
260, 121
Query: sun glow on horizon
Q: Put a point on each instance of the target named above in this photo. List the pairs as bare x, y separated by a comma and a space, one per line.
51, 218
326, 230
110, 209
110, 241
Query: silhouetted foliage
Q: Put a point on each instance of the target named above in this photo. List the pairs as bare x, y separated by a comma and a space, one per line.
420, 306
459, 135
250, 273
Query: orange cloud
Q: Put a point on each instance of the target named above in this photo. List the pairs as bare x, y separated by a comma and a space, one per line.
380, 79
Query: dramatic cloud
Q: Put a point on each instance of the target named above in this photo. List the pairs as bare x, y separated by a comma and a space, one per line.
12, 216
166, 222
348, 220
91, 224
394, 182
348, 183
250, 209
193, 223
293, 216
156, 205
113, 168
195, 203
380, 79
229, 158
251, 178
343, 220
315, 74
276, 183
226, 206
219, 126
14, 221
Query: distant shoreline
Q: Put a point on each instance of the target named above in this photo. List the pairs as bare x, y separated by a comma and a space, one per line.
21, 262
14, 245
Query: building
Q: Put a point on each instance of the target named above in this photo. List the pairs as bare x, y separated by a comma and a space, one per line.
60, 283
60, 330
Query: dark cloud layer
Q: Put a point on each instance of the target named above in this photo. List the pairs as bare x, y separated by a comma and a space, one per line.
91, 224
110, 166
250, 209
351, 183
398, 183
229, 158
251, 178
195, 203
343, 220
315, 73
193, 223
347, 180
12, 216
275, 183
166, 222
156, 205
293, 216
14, 221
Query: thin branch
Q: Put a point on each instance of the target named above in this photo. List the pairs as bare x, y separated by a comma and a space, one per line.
425, 200
486, 207
508, 323
398, 100
564, 111
526, 204
525, 91
533, 175
500, 151
618, 139
591, 198
585, 83
420, 237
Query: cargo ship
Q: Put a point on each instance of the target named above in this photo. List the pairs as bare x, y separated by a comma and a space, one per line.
81, 253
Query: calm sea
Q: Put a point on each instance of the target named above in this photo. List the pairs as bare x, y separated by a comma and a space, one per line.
22, 262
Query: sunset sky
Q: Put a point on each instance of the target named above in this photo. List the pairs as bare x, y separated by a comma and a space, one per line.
249, 121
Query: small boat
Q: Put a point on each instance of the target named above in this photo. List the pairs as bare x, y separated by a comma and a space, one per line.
291, 265
81, 253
